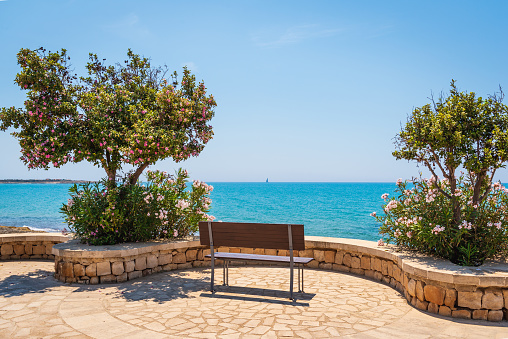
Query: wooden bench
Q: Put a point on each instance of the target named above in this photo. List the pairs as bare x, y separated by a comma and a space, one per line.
267, 236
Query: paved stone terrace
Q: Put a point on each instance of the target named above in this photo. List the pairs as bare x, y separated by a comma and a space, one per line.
177, 304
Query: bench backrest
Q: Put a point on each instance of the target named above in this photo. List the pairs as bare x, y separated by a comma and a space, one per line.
268, 236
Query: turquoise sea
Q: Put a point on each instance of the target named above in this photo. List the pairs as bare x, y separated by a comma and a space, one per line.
326, 209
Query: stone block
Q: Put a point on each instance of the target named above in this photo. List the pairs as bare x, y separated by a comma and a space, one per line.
25, 256
117, 268
378, 275
130, 266
235, 250
308, 253
152, 261
206, 251
165, 259
358, 271
140, 263
385, 279
389, 268
365, 262
346, 261
434, 294
106, 279
146, 271
450, 297
411, 287
319, 255
259, 251
462, 314
181, 250
495, 315
445, 311
49, 248
271, 252
200, 256
339, 257
122, 277
433, 308
184, 266
505, 297
397, 273
6, 249
67, 270
493, 300
376, 264
341, 268
79, 270
191, 255
200, 263
369, 273
103, 268
251, 251
134, 275
355, 262
179, 258
329, 257
480, 314
170, 267
419, 290
156, 269
19, 249
223, 249
28, 249
384, 267
472, 300
325, 266
39, 249
313, 264
91, 270
94, 280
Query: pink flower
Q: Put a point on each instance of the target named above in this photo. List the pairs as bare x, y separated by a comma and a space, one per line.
384, 196
399, 181
409, 234
175, 233
373, 214
380, 242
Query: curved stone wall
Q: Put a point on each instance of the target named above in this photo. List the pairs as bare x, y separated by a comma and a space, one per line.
29, 245
430, 284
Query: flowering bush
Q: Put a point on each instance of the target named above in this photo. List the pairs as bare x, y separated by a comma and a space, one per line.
421, 217
101, 213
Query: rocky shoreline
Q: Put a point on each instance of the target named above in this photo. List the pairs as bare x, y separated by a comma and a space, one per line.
14, 229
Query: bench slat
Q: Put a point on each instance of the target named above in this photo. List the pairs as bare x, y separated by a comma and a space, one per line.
258, 257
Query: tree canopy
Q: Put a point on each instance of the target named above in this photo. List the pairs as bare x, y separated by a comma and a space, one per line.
121, 114
461, 130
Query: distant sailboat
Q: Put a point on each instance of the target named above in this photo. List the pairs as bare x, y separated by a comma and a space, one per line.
266, 179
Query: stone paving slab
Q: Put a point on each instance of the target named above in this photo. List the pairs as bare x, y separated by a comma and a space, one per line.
177, 304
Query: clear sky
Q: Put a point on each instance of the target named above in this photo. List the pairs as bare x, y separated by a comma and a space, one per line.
306, 90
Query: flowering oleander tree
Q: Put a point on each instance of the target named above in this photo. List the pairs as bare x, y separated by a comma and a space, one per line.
116, 115
460, 216
123, 114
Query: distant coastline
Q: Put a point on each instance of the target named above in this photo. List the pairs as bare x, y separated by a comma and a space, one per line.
42, 181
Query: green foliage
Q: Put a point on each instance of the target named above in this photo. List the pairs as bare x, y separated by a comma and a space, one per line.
116, 115
421, 218
102, 213
460, 130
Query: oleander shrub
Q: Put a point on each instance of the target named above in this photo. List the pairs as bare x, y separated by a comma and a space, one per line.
421, 217
166, 207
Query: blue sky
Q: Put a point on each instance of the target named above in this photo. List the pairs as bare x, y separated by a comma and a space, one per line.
306, 91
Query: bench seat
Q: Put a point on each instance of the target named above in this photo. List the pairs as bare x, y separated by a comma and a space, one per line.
259, 257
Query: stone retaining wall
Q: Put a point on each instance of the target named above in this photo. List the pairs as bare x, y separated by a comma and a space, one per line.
29, 245
429, 284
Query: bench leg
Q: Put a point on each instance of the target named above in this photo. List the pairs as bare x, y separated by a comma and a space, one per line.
213, 276
300, 268
225, 273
